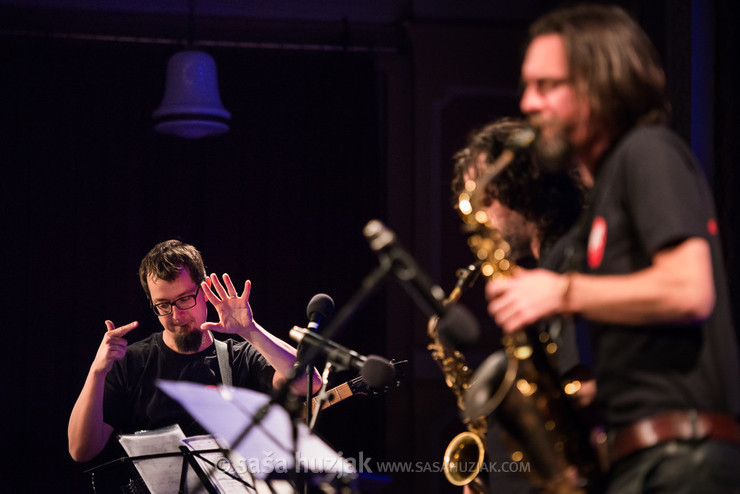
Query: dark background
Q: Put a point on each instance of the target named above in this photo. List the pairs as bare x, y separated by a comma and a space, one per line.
341, 114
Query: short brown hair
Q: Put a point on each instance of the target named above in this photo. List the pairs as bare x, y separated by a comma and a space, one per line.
612, 61
166, 261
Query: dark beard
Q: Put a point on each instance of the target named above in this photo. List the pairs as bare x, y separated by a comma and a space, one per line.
188, 342
555, 154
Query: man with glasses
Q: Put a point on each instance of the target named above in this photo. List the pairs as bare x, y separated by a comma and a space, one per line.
120, 392
648, 273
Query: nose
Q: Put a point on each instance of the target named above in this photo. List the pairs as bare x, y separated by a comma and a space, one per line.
177, 313
531, 101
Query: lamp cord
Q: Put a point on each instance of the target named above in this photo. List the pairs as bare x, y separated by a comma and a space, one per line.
191, 22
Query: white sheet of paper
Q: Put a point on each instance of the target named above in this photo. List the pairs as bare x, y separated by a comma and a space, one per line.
226, 411
224, 483
161, 475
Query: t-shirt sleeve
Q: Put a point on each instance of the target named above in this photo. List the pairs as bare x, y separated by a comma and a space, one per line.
661, 192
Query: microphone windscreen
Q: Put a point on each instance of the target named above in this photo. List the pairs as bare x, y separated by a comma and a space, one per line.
458, 326
320, 305
377, 372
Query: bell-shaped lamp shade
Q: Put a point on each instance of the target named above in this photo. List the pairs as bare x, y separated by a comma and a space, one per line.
191, 106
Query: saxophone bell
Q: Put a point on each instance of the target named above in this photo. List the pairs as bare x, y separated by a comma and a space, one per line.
464, 458
464, 455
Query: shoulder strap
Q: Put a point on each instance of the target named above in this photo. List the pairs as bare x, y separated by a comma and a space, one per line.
224, 366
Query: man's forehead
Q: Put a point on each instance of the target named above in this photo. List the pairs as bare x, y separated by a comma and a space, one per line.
545, 58
182, 279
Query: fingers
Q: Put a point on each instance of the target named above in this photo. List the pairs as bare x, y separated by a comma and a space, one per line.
494, 289
225, 290
116, 348
216, 283
113, 347
229, 286
206, 287
120, 332
503, 306
503, 315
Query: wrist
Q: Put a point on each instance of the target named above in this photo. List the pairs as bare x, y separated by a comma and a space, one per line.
247, 332
566, 288
98, 373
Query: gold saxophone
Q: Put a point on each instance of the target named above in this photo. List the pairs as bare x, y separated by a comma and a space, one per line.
467, 448
519, 384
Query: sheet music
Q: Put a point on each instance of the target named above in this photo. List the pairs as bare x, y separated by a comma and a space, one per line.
215, 470
226, 484
161, 475
227, 411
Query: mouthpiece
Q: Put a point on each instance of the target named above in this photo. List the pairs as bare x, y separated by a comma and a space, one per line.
520, 138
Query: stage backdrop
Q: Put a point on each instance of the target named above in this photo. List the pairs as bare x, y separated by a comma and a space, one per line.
88, 188
321, 142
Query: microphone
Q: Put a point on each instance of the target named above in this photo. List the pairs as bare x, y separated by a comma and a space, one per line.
320, 308
456, 323
374, 370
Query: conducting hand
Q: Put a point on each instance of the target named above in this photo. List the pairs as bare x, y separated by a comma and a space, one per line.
234, 312
113, 346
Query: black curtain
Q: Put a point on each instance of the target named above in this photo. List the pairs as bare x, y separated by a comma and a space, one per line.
88, 187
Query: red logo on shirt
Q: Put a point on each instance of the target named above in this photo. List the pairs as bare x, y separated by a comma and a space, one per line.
712, 227
596, 242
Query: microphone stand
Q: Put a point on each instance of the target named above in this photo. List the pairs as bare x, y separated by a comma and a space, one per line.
309, 410
309, 391
322, 394
281, 396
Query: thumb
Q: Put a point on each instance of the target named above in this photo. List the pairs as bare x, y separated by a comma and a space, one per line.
210, 325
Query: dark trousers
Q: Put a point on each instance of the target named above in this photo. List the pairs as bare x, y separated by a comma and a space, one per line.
679, 467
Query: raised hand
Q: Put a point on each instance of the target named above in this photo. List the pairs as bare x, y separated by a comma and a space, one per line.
113, 346
234, 313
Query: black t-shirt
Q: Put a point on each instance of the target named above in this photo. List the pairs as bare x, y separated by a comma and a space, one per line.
570, 334
650, 194
133, 402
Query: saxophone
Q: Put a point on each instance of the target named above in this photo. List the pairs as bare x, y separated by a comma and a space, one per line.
467, 448
519, 384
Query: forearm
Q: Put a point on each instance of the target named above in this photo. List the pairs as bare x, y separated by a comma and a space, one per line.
86, 432
677, 288
279, 354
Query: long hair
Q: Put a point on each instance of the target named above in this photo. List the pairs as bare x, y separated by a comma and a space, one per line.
166, 261
613, 62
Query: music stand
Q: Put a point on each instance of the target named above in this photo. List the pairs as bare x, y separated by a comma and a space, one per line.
226, 411
189, 459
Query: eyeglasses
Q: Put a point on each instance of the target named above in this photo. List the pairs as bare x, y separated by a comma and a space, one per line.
182, 303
